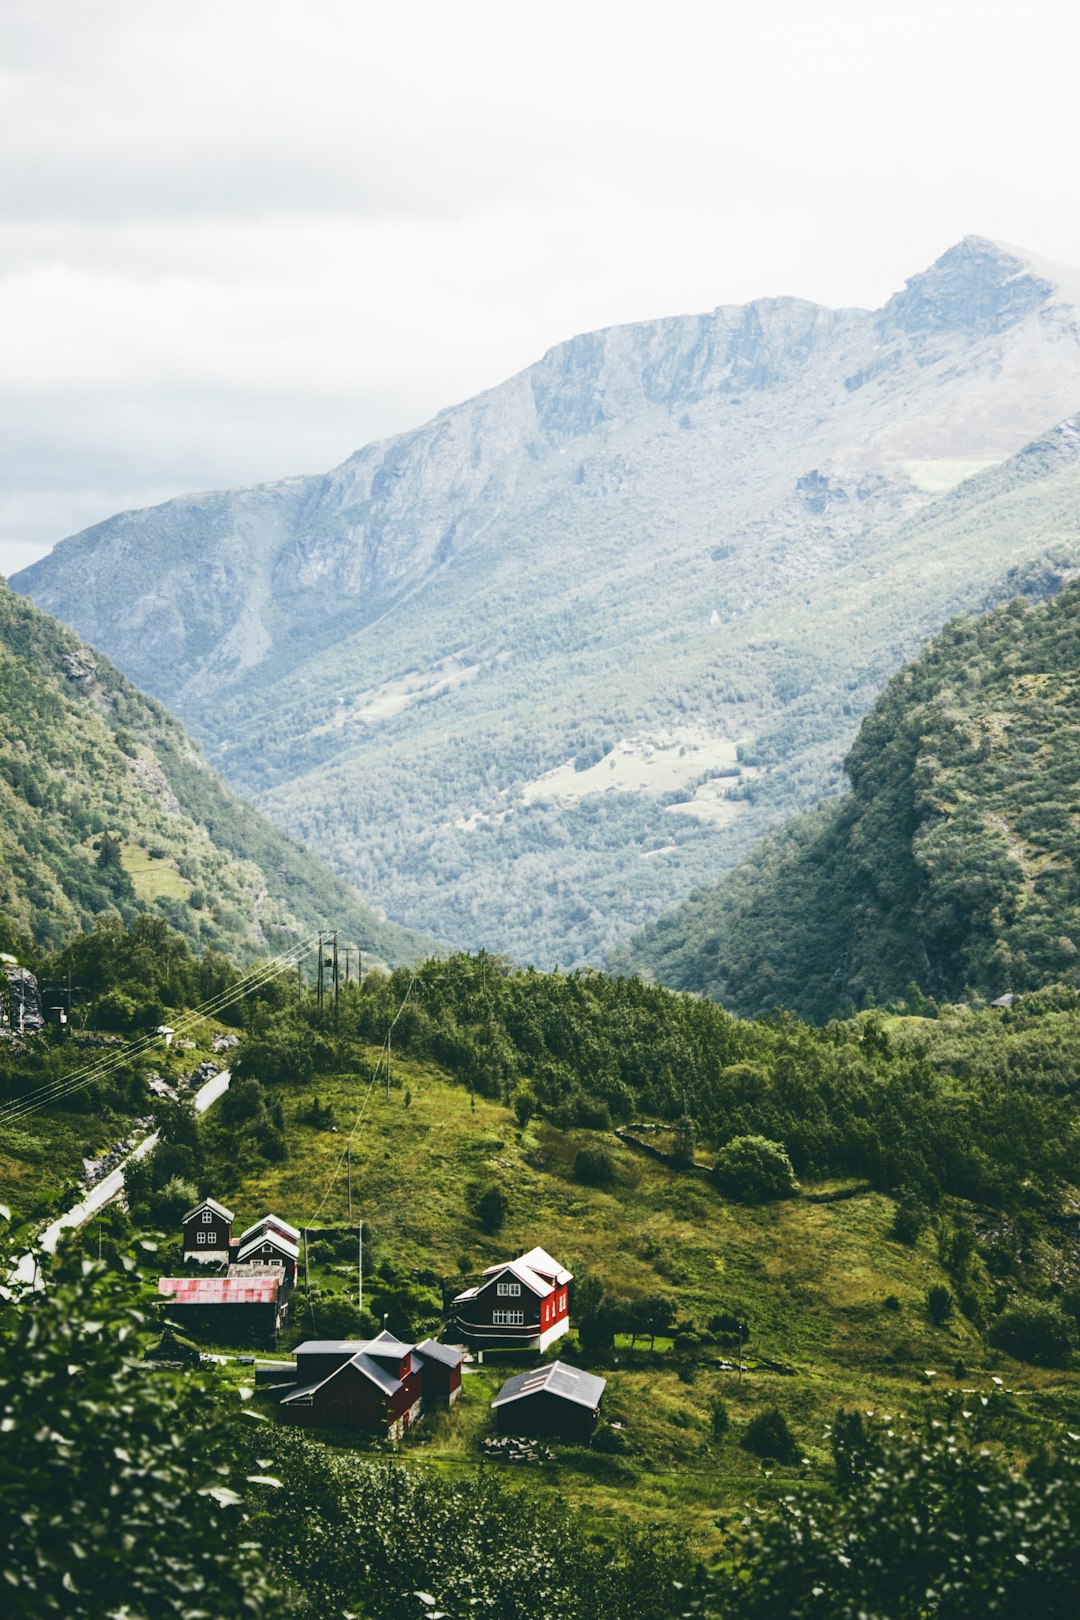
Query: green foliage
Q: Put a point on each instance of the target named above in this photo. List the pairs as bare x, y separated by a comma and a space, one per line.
1035, 1330
931, 1522
939, 1304
122, 1490
490, 1204
911, 1219
719, 1420
948, 870
367, 1538
767, 1435
754, 1170
594, 1166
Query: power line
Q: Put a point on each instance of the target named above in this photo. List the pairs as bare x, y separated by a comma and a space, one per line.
263, 973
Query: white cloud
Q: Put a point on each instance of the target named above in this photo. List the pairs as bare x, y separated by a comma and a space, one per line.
241, 239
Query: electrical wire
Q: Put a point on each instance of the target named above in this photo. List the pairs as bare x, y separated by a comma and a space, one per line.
263, 973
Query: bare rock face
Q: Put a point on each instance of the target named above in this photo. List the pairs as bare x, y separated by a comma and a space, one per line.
744, 519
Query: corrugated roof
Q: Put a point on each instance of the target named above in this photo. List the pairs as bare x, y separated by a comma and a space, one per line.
385, 1344
568, 1383
211, 1203
220, 1290
326, 1347
448, 1354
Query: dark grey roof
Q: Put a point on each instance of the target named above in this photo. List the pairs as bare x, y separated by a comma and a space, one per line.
324, 1347
568, 1383
385, 1344
448, 1354
364, 1364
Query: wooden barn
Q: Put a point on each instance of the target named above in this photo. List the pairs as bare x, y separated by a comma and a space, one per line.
521, 1304
556, 1401
375, 1386
208, 1231
243, 1307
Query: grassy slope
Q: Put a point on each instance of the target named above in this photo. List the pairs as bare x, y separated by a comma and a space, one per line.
954, 860
82, 752
813, 1279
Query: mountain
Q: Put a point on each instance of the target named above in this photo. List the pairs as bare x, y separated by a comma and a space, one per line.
952, 864
537, 670
105, 802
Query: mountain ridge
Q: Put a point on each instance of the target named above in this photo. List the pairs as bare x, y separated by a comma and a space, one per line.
632, 539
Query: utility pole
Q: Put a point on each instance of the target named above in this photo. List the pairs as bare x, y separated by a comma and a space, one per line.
348, 1152
388, 1065
360, 1266
319, 978
305, 1260
346, 966
336, 981
359, 967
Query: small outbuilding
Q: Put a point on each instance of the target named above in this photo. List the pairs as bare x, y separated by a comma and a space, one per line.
555, 1401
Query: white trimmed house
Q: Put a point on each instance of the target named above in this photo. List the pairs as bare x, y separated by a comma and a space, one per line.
521, 1304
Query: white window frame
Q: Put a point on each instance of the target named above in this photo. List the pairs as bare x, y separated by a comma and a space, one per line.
511, 1288
508, 1318
200, 1237
207, 1217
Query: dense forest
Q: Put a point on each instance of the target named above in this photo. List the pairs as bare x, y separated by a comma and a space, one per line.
951, 864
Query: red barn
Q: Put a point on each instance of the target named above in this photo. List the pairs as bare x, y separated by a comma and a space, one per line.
207, 1231
521, 1304
377, 1386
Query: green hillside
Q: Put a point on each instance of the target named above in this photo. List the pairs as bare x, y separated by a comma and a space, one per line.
953, 863
107, 805
925, 1165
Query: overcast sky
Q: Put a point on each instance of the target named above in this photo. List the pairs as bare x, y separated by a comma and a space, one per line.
243, 237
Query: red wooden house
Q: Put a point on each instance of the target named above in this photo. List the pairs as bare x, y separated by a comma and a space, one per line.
208, 1231
378, 1386
521, 1304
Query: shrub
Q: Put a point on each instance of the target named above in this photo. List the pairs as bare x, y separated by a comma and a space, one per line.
114, 1010
767, 1435
939, 1304
524, 1105
754, 1170
910, 1220
594, 1167
490, 1206
1035, 1330
719, 1420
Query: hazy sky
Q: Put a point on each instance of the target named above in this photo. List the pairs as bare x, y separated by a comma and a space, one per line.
241, 238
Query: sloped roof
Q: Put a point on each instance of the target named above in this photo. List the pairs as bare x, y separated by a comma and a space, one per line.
567, 1383
541, 1262
271, 1220
276, 1239
385, 1344
220, 1290
326, 1347
364, 1364
537, 1285
210, 1203
448, 1354
468, 1293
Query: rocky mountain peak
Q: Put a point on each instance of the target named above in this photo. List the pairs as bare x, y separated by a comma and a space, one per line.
978, 287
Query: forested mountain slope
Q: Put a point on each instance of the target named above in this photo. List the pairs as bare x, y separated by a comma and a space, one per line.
953, 864
106, 803
535, 670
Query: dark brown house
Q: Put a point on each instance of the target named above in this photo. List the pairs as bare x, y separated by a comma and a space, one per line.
375, 1386
521, 1304
243, 1307
208, 1231
557, 1401
269, 1243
